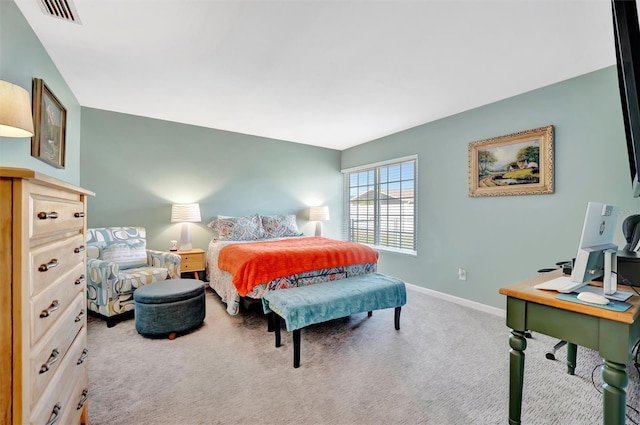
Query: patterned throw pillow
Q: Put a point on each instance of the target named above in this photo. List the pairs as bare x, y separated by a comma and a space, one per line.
125, 246
278, 226
244, 228
126, 254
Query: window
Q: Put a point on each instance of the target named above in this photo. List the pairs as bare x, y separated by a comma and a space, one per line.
380, 207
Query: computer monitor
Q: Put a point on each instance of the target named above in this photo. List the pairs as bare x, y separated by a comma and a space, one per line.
596, 251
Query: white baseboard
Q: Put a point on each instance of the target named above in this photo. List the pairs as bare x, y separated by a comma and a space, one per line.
457, 300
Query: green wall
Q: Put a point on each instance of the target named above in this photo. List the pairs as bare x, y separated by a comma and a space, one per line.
139, 166
500, 240
23, 58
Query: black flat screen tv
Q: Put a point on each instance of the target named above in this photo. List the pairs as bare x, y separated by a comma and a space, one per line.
626, 33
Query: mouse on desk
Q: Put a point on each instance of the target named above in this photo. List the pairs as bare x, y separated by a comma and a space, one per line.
590, 297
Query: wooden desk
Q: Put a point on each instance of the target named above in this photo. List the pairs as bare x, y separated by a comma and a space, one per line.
612, 333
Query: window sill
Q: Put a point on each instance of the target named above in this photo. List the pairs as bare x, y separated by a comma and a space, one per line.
409, 252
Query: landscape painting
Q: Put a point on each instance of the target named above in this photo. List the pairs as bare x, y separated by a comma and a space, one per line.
515, 164
50, 121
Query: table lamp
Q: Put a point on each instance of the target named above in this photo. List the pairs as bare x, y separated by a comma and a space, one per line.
318, 214
185, 214
15, 111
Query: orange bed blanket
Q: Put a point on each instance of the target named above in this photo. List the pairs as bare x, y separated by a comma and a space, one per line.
253, 263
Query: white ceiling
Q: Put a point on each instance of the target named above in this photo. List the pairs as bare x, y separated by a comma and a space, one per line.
332, 73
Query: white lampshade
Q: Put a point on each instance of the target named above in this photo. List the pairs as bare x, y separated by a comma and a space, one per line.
185, 214
318, 213
15, 111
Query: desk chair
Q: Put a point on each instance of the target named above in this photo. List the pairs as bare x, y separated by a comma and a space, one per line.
631, 232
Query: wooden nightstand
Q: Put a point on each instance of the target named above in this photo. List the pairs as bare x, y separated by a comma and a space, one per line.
191, 261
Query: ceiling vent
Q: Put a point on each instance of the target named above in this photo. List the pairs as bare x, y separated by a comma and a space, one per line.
61, 9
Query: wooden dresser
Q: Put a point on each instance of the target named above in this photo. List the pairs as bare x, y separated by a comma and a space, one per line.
43, 312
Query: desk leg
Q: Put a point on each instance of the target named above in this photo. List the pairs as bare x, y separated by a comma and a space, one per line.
572, 350
518, 344
614, 396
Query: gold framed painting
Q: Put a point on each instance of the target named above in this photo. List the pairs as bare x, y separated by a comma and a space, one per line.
49, 125
515, 164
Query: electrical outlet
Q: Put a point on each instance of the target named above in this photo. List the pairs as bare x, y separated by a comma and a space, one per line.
462, 274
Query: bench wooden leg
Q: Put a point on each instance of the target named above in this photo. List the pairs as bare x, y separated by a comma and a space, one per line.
296, 348
397, 318
270, 320
275, 319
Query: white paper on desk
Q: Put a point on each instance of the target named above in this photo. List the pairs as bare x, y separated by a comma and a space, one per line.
618, 295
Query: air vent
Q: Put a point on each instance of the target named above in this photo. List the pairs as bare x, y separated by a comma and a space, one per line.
61, 9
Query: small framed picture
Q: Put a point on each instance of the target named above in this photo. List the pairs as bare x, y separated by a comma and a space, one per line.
49, 124
515, 164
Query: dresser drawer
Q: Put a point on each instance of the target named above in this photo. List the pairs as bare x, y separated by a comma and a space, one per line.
52, 213
47, 354
47, 263
64, 393
50, 304
77, 402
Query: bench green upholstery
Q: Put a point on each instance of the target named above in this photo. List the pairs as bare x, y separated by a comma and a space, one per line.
321, 302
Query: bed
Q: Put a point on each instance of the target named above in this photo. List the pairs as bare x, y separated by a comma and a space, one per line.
254, 254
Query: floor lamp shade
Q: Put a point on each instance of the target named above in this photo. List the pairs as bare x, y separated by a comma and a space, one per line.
15, 111
185, 214
318, 214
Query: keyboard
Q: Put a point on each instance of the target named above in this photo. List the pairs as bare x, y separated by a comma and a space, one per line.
562, 284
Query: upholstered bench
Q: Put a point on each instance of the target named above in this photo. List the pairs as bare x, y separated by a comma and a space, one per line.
311, 304
166, 308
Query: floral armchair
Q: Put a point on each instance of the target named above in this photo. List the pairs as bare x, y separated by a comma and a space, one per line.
118, 263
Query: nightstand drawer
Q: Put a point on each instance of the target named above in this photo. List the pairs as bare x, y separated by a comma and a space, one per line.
191, 260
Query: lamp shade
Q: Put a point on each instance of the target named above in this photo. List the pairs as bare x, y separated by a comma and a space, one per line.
318, 213
15, 111
183, 213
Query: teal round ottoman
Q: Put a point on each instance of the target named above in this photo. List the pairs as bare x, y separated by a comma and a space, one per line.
168, 307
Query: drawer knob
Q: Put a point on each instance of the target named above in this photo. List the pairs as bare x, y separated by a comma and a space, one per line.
55, 414
83, 356
79, 214
53, 307
55, 353
51, 264
45, 215
79, 280
83, 399
78, 249
80, 315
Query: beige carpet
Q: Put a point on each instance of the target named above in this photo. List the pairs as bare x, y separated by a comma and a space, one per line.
447, 365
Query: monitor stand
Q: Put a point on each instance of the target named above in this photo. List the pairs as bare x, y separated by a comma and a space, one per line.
610, 282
